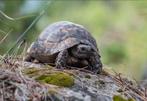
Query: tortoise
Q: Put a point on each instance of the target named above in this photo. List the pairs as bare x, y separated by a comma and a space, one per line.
66, 44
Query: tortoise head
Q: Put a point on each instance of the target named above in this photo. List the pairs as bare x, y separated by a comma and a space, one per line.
82, 51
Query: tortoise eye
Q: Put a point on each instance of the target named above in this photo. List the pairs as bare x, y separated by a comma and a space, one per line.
83, 49
92, 49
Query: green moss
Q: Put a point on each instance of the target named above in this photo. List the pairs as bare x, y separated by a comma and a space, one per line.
120, 98
131, 99
50, 76
34, 71
30, 70
58, 78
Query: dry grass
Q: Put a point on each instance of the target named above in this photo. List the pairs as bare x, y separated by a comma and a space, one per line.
16, 86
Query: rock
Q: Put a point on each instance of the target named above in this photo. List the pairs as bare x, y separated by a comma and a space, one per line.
38, 82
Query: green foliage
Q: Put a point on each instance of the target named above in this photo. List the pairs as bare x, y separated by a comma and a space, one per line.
127, 19
59, 79
116, 53
120, 98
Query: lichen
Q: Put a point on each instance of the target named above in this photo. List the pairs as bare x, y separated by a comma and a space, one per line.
120, 98
87, 76
57, 78
100, 83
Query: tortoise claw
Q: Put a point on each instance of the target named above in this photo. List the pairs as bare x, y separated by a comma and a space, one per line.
59, 66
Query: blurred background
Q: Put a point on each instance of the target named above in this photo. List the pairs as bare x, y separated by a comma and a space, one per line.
120, 28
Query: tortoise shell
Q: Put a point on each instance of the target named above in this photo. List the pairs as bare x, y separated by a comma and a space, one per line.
60, 36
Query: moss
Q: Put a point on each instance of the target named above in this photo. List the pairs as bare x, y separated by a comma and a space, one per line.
34, 71
50, 76
131, 99
58, 78
30, 70
120, 98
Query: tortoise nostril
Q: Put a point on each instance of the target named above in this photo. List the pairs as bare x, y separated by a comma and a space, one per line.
83, 49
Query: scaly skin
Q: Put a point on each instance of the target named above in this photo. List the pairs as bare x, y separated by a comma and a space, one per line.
95, 64
61, 60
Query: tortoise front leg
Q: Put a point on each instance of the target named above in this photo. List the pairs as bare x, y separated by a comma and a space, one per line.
61, 60
95, 64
